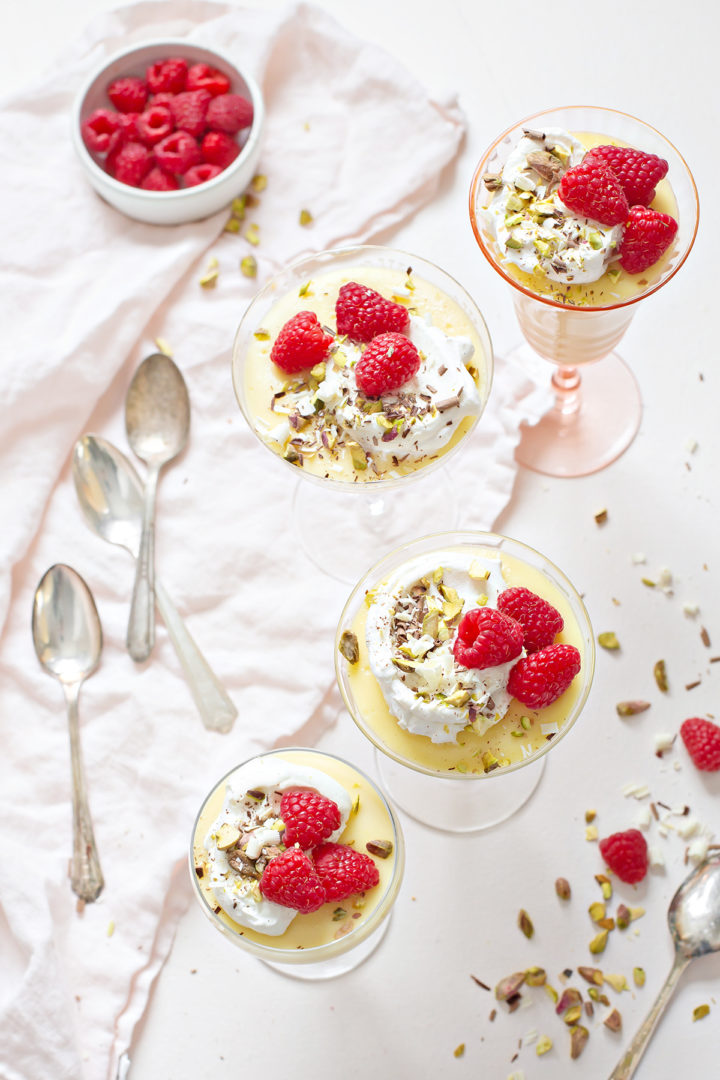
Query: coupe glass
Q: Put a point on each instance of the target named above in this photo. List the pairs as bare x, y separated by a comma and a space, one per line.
345, 525
597, 414
349, 948
448, 795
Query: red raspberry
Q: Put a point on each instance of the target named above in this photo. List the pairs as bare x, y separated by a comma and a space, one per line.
154, 124
486, 637
177, 152
98, 128
291, 880
161, 99
229, 113
167, 76
637, 171
702, 742
344, 871
647, 235
200, 174
218, 148
128, 95
539, 619
302, 343
388, 362
309, 817
204, 77
159, 180
189, 111
129, 163
362, 313
592, 191
626, 855
539, 679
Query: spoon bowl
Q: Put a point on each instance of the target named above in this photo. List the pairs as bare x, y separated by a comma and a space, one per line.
68, 641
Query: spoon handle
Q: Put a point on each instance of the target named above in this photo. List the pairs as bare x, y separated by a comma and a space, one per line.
141, 625
215, 707
86, 876
631, 1059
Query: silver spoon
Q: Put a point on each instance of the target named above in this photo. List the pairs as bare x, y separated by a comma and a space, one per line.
157, 421
694, 921
68, 642
110, 495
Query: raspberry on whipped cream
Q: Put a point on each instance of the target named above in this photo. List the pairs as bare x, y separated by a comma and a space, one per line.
533, 228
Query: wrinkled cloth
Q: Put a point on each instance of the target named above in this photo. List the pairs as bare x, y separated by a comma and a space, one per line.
87, 292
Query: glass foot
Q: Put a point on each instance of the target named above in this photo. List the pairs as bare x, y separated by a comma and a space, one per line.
345, 532
458, 806
337, 965
589, 437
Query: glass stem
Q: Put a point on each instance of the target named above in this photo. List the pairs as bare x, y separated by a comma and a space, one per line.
566, 384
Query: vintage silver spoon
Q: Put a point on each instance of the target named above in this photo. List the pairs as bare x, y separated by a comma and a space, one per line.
157, 421
110, 495
68, 642
694, 921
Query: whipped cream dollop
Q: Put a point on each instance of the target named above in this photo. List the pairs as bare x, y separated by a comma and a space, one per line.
252, 807
417, 420
409, 615
530, 223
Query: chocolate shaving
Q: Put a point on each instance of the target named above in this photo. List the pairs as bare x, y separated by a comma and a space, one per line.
479, 982
704, 637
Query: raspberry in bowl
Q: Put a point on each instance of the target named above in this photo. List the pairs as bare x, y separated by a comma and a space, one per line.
464, 657
297, 857
361, 369
584, 212
169, 131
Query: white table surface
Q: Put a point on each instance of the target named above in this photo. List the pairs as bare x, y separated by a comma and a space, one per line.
216, 1013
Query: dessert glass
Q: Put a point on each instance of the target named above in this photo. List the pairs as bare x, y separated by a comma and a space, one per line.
435, 782
301, 951
346, 523
596, 416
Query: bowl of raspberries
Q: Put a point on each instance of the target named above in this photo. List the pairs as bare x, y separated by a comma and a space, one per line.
169, 131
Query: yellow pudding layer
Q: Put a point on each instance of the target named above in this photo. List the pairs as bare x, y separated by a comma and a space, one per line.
263, 379
333, 921
466, 755
615, 286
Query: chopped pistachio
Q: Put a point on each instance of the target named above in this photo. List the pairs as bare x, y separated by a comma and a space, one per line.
639, 976
601, 517
304, 289
259, 182
536, 976
597, 911
591, 975
636, 913
622, 918
489, 761
700, 1011
595, 240
209, 279
459, 1050
431, 623
338, 914
232, 225
573, 1015
614, 273
238, 206
601, 999
513, 242
305, 217
525, 723
618, 982
481, 600
631, 708
111, 928
381, 848
660, 673
514, 203
579, 1035
458, 698
570, 998
248, 266
590, 815
477, 571
649, 582
358, 456
608, 640
525, 923
551, 992
349, 646
598, 943
543, 1044
509, 986
318, 372
613, 1020
605, 885
562, 888
252, 235
227, 835
591, 832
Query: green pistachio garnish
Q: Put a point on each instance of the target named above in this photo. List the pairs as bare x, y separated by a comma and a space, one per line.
305, 217
514, 203
525, 923
598, 943
608, 640
514, 243
562, 888
639, 976
381, 848
613, 1021
700, 1011
660, 673
349, 646
618, 982
543, 1044
595, 240
536, 976
232, 225
596, 911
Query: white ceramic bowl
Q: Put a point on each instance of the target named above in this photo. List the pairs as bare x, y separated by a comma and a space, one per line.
186, 204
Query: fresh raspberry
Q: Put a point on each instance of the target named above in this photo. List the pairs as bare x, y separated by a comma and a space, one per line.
388, 362
302, 343
702, 742
159, 180
98, 128
130, 163
344, 871
229, 113
362, 313
163, 98
290, 879
539, 619
539, 679
128, 95
177, 152
592, 191
154, 124
647, 235
626, 854
486, 638
204, 77
637, 171
167, 76
309, 817
189, 111
200, 174
218, 148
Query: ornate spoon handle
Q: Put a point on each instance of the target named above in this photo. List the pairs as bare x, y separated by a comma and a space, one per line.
86, 875
631, 1058
141, 625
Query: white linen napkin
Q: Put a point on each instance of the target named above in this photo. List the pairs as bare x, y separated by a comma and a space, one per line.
87, 292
